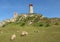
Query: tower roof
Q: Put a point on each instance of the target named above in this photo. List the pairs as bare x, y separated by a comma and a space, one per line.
30, 5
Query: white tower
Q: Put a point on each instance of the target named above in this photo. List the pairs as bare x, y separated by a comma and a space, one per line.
31, 8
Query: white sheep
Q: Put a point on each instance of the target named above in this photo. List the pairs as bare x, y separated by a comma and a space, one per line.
13, 37
24, 33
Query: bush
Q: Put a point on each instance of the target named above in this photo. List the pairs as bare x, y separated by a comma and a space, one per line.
3, 25
41, 25
56, 23
47, 24
22, 24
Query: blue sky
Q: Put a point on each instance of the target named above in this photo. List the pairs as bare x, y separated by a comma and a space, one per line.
48, 8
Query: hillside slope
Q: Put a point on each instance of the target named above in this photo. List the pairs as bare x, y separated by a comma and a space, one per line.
44, 34
33, 20
39, 28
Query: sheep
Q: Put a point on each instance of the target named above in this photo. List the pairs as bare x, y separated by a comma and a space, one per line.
13, 37
24, 33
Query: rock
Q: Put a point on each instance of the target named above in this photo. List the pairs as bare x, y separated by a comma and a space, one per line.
30, 23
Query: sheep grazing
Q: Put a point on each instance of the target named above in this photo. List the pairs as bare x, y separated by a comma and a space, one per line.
24, 33
13, 37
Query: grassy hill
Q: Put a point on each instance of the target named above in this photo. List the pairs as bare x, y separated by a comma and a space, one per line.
48, 29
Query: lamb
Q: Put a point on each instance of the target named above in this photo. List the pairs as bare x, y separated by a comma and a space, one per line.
24, 33
13, 37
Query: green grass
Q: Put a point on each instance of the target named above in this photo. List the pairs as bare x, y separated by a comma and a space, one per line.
45, 34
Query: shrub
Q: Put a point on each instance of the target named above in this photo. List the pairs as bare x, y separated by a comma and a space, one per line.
56, 23
3, 25
41, 24
47, 24
38, 24
22, 24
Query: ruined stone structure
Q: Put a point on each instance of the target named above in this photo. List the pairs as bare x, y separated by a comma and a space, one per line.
14, 17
